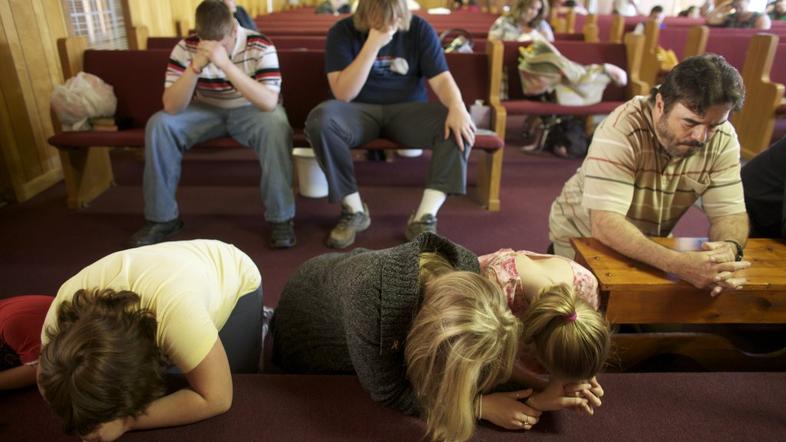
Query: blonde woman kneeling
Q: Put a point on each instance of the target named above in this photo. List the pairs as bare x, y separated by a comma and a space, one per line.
424, 332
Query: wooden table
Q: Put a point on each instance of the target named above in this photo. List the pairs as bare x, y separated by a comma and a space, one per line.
636, 293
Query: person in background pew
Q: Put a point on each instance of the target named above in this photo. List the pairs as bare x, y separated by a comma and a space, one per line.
225, 80
560, 7
649, 161
427, 334
21, 319
626, 8
334, 7
525, 22
115, 326
412, 5
764, 183
777, 10
690, 11
375, 62
656, 14
735, 14
241, 15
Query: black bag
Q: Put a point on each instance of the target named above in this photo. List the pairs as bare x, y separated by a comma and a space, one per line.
567, 138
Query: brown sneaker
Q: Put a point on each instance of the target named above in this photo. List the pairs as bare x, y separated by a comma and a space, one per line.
348, 225
426, 223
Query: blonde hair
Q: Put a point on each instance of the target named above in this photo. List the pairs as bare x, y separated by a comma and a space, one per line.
463, 342
378, 14
570, 338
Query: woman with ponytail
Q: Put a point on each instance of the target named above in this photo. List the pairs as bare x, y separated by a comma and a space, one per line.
564, 342
424, 331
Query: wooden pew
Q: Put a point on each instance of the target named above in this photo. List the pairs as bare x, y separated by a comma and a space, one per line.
137, 78
627, 56
763, 97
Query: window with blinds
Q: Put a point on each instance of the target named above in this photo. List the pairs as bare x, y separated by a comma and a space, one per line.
100, 21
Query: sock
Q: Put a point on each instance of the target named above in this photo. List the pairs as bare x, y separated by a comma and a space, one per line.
431, 202
354, 202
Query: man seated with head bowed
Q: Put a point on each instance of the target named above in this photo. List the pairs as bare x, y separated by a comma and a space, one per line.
223, 81
649, 161
375, 62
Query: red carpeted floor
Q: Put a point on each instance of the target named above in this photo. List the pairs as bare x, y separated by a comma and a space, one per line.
42, 242
674, 407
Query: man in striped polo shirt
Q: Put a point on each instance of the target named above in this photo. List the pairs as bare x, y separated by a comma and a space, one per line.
649, 161
223, 81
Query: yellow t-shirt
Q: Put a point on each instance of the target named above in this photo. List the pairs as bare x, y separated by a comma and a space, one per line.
191, 286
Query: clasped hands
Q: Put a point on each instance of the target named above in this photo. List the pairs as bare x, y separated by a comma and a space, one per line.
210, 51
521, 410
713, 267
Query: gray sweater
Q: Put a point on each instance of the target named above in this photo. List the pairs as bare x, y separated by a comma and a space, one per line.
345, 312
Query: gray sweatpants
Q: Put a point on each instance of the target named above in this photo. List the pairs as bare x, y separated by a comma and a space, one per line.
335, 127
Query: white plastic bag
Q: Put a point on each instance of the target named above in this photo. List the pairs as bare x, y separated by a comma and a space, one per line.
81, 97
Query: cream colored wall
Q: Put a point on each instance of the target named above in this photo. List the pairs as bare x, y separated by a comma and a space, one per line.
29, 70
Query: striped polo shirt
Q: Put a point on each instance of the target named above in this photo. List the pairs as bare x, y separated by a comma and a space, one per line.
628, 172
254, 54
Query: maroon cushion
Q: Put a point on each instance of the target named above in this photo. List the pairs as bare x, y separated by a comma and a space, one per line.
733, 48
531, 107
138, 79
778, 71
220, 143
674, 38
304, 83
471, 72
167, 43
123, 138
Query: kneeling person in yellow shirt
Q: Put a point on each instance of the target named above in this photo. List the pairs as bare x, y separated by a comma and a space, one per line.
115, 326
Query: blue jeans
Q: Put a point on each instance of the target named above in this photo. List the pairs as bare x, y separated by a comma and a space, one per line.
168, 136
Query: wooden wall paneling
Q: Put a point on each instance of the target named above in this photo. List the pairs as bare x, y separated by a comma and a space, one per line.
30, 70
137, 37
183, 15
156, 15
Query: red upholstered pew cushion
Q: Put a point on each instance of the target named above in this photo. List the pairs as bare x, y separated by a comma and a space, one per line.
138, 80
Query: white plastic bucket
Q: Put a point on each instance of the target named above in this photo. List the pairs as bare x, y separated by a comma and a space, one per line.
410, 153
311, 180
